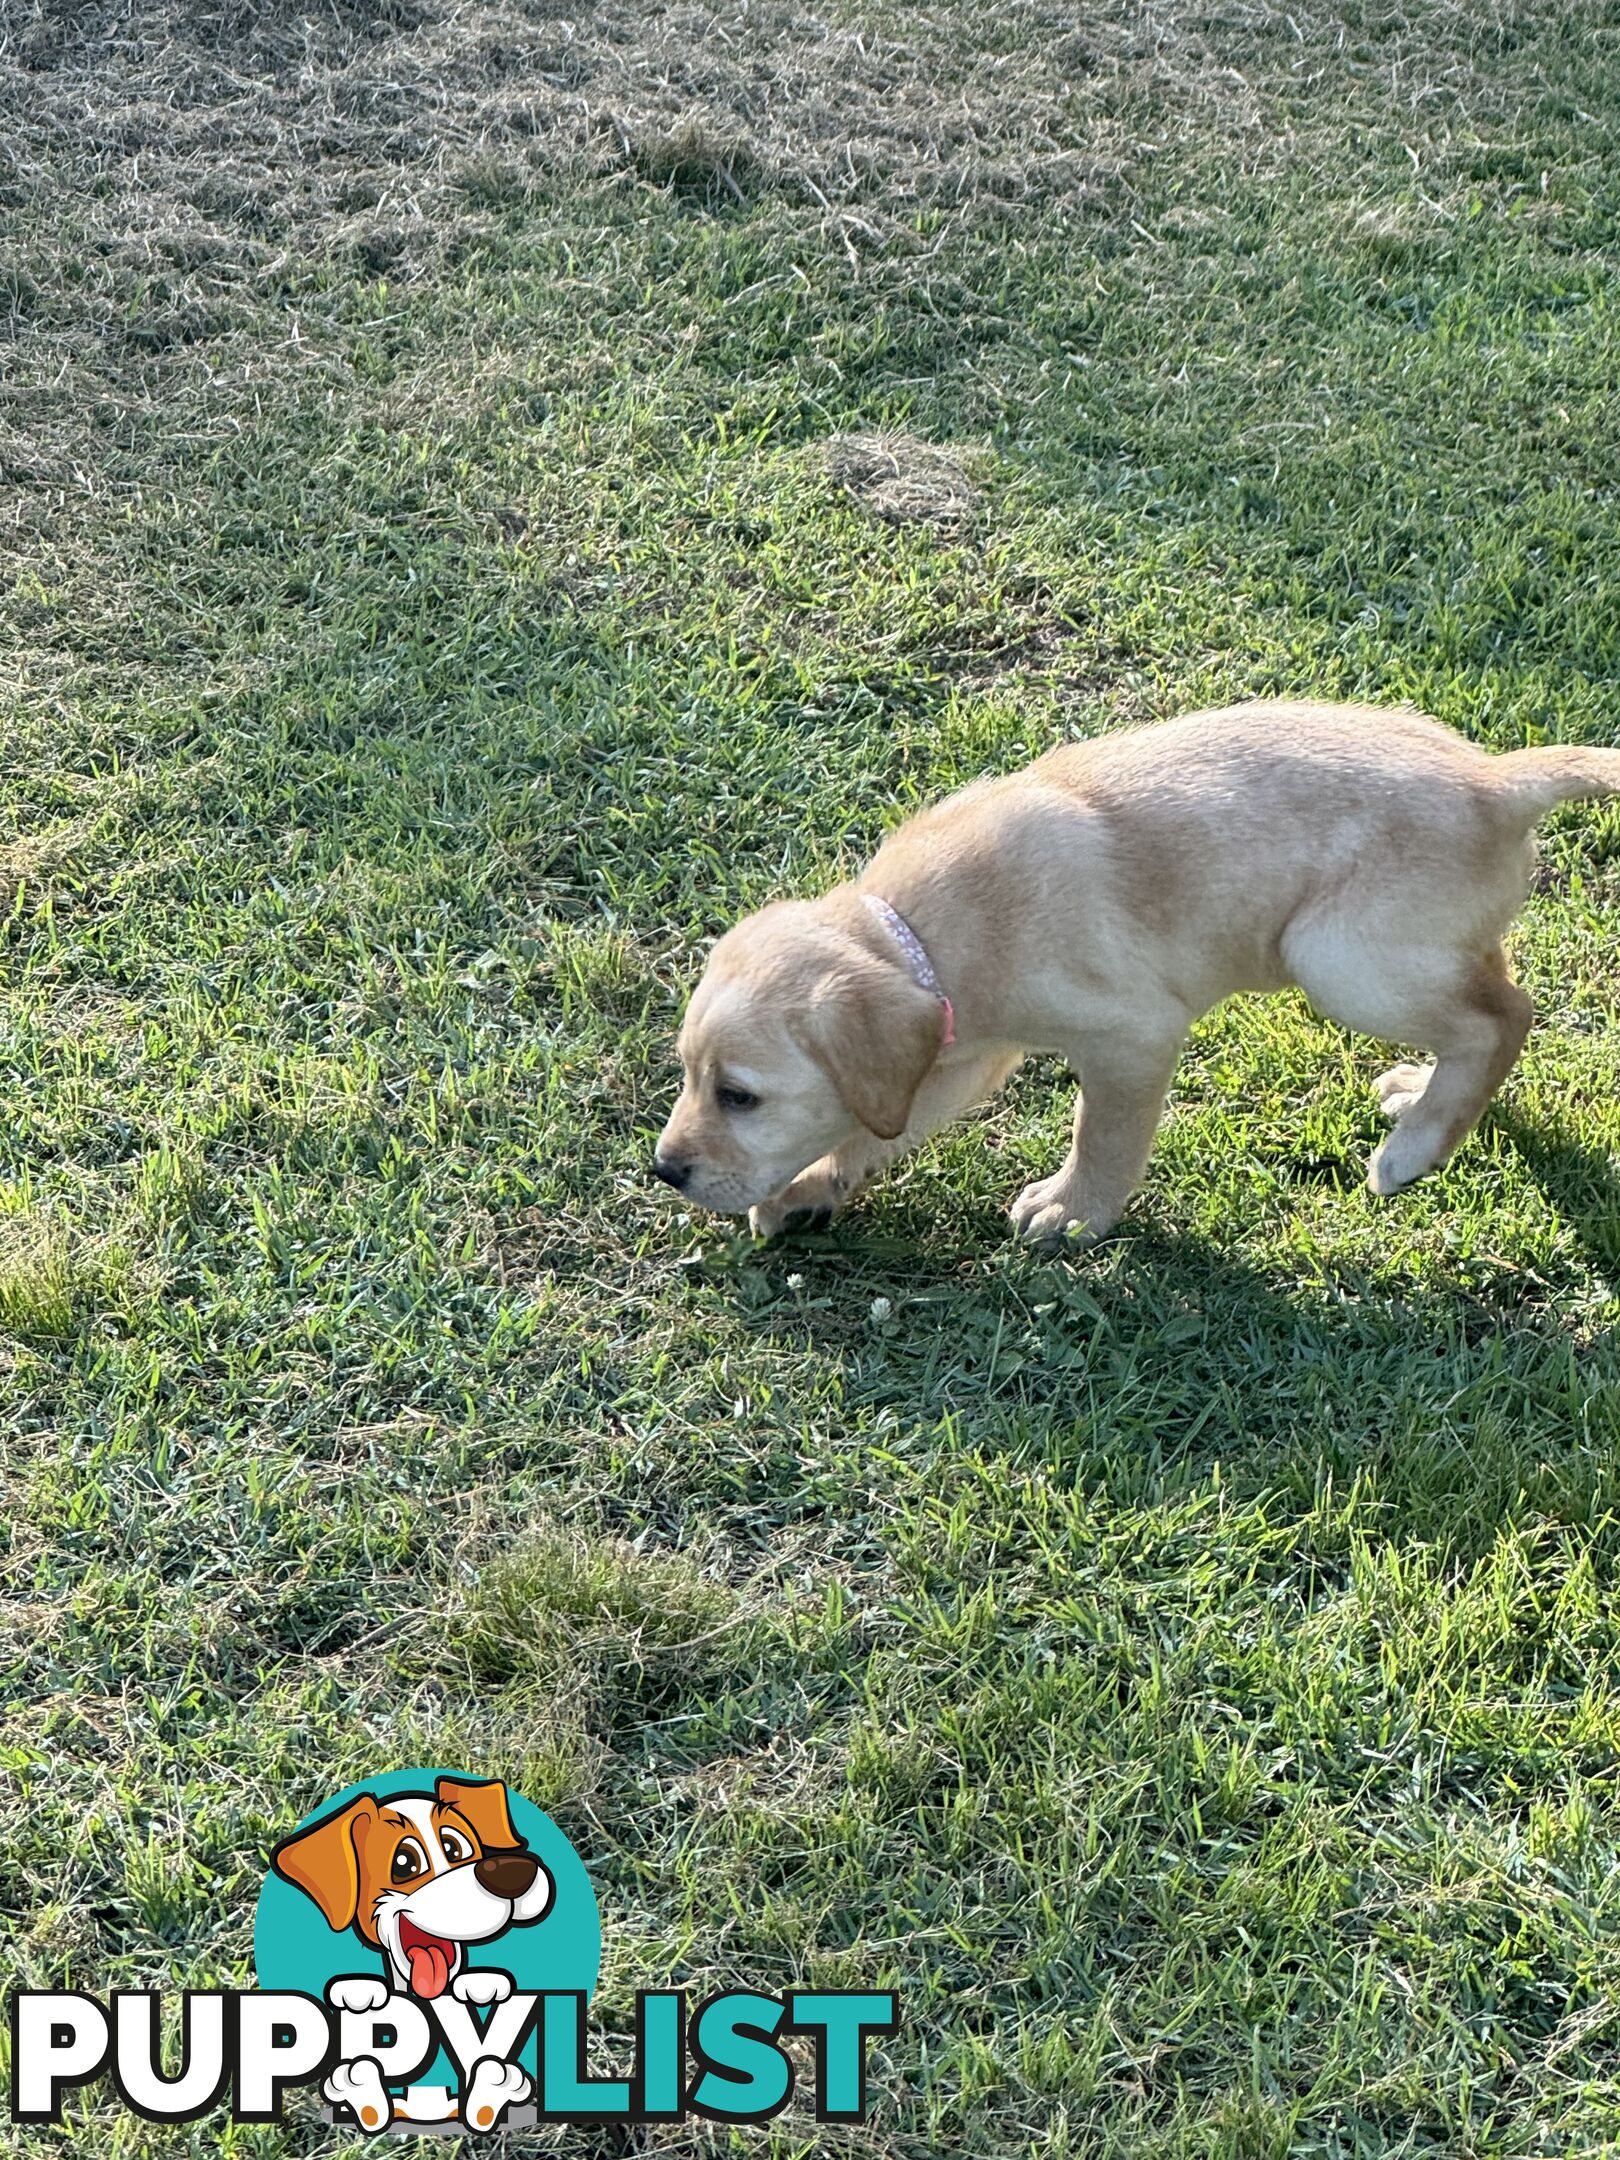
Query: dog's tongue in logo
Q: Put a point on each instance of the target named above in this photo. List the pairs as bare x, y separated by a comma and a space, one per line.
428, 1956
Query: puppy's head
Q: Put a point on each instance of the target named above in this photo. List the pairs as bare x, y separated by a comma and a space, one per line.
804, 1029
419, 1875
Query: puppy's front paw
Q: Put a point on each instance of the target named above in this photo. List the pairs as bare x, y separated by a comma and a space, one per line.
1401, 1088
1049, 1211
478, 1984
357, 1991
492, 2089
809, 1203
772, 1219
358, 2086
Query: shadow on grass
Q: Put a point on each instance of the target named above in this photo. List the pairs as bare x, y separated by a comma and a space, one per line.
1161, 1361
1581, 1182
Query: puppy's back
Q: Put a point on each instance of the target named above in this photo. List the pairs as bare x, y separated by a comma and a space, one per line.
1273, 747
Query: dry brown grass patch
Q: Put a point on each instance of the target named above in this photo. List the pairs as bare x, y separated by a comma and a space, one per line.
906, 481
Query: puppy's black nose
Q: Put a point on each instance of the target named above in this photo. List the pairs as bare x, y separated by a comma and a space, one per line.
506, 1874
672, 1172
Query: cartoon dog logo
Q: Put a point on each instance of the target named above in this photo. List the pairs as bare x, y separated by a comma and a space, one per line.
418, 1877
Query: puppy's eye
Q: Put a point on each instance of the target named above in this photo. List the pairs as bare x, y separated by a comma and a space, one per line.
409, 1861
735, 1098
456, 1848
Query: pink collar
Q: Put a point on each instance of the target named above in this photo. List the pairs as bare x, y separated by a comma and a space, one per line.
921, 966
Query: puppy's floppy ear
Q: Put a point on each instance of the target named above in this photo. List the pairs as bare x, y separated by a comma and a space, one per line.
483, 1802
323, 1860
874, 1033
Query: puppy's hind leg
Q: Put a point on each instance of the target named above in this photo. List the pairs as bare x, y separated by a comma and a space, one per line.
1478, 1043
1398, 1089
817, 1194
1465, 1008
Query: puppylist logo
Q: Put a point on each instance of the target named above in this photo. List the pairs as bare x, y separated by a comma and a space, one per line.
426, 1947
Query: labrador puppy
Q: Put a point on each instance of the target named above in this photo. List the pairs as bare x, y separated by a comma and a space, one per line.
1095, 904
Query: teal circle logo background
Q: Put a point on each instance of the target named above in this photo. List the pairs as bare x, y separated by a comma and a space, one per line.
294, 1949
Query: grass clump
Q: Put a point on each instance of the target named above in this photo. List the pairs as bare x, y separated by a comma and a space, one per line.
904, 481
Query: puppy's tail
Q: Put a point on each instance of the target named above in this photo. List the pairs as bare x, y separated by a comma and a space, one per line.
1533, 780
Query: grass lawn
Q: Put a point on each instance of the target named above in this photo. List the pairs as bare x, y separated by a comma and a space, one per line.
427, 614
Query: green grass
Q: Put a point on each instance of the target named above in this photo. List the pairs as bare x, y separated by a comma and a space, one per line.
1188, 1674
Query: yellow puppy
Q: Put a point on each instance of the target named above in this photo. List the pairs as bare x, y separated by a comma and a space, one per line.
1095, 904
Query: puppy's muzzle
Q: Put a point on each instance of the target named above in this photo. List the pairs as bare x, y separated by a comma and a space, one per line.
506, 1874
671, 1170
